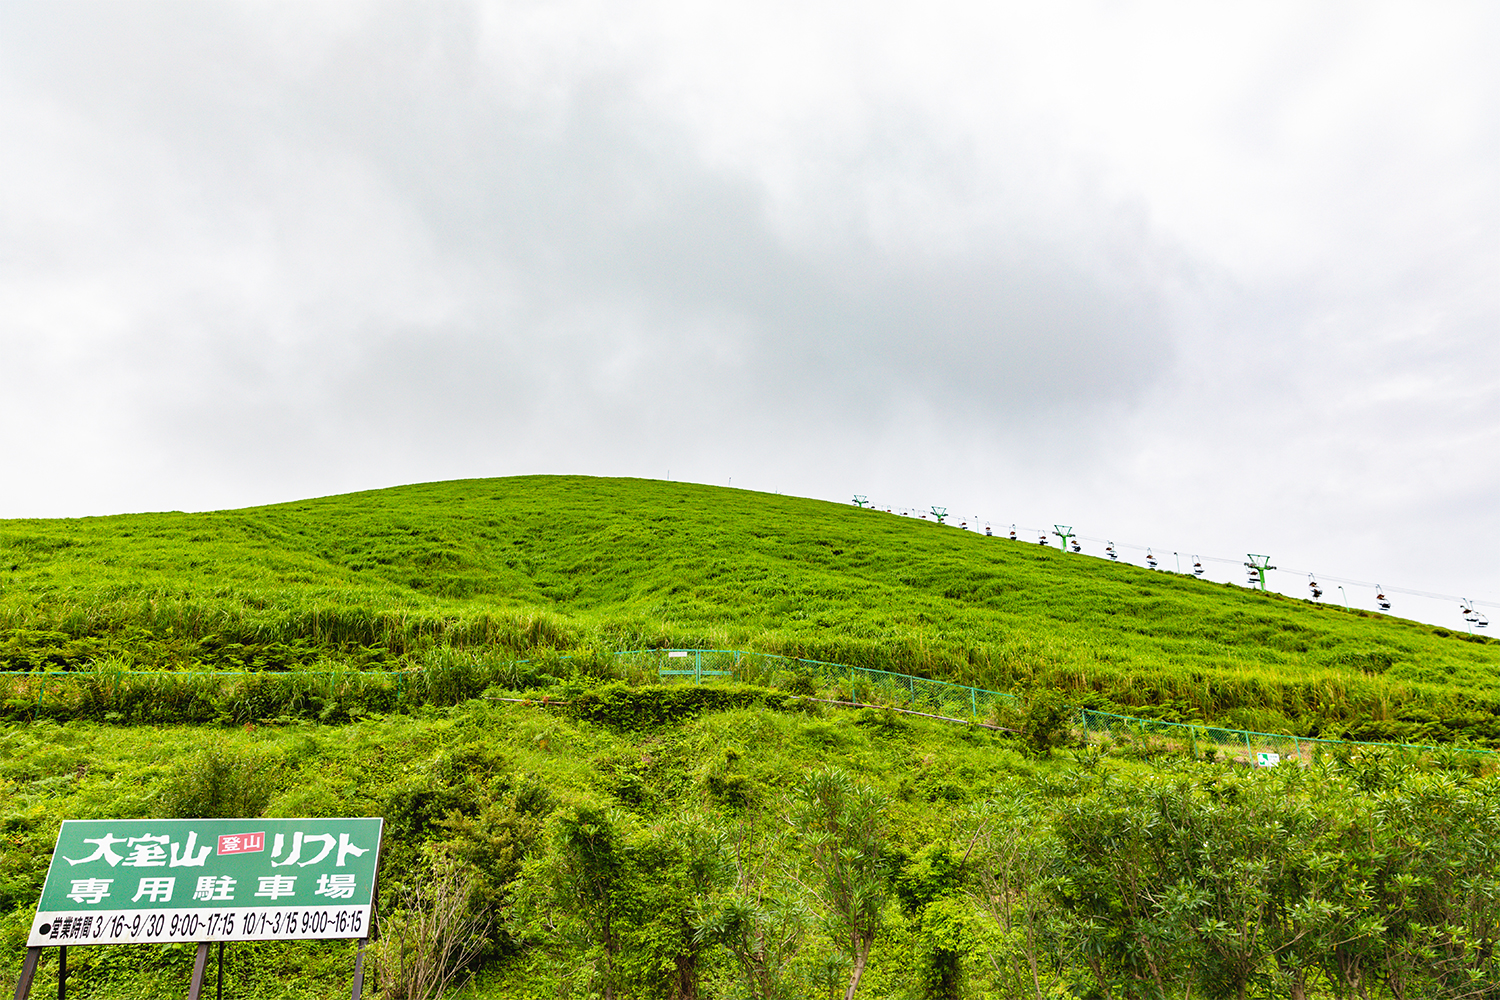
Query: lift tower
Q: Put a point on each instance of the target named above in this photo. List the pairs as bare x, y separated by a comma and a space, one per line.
1258, 566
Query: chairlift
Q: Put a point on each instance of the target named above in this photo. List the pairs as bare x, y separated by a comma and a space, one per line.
1381, 601
987, 532
1150, 559
1197, 566
1012, 532
1109, 550
1467, 607
1312, 585
1042, 539
1075, 546
1480, 621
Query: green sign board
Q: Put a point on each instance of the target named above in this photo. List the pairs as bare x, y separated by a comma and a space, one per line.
137, 881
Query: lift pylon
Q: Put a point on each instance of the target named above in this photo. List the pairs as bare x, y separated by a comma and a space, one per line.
860, 500
1065, 532
939, 513
1257, 566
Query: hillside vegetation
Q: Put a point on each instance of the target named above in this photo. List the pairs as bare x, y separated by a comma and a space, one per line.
522, 566
560, 824
646, 845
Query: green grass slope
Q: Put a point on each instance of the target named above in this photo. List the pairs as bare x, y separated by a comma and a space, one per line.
514, 566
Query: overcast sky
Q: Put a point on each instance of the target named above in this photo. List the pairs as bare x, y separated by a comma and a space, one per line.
1206, 277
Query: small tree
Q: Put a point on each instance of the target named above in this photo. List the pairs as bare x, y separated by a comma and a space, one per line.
677, 869
761, 922
429, 934
585, 877
842, 825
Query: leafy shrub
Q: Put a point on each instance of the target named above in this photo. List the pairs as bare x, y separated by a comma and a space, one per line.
220, 782
626, 708
1048, 723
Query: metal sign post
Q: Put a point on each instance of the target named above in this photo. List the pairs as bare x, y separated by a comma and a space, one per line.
162, 881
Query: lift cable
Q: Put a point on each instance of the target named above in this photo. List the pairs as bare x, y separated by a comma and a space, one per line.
1040, 532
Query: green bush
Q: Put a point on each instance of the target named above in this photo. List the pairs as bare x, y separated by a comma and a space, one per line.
1048, 723
220, 781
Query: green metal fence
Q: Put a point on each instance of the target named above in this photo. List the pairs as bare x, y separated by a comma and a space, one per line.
858, 685
198, 695
1260, 749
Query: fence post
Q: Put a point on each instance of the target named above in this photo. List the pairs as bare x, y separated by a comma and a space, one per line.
973, 704
853, 695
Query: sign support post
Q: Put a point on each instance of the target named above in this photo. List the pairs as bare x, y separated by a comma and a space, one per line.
200, 966
359, 970
28, 972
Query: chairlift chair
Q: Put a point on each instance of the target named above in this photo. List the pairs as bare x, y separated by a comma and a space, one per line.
1109, 550
1470, 615
1381, 601
1150, 559
1012, 532
1197, 566
1312, 585
987, 532
1042, 539
1075, 546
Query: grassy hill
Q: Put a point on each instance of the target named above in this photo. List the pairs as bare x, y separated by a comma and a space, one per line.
710, 827
521, 565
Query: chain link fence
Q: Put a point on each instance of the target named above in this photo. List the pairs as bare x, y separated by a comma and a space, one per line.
197, 696
855, 685
1106, 730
